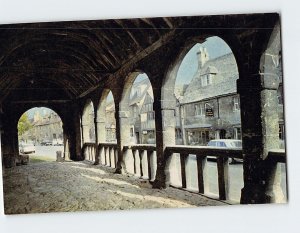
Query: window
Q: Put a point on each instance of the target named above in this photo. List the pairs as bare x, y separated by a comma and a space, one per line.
131, 132
237, 133
199, 109
281, 132
206, 80
236, 103
150, 116
178, 134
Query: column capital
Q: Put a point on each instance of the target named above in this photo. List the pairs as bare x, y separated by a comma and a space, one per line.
168, 104
258, 82
100, 120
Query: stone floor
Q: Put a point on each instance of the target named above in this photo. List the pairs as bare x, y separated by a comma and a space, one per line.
80, 186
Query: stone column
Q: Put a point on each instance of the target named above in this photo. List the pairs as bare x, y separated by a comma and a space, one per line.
101, 131
1, 131
259, 118
72, 129
85, 132
66, 147
182, 116
165, 123
9, 141
123, 136
100, 135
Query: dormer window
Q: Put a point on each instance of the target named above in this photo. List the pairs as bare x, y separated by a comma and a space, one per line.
206, 80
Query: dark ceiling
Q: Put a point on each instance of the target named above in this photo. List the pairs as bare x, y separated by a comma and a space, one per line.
72, 56
63, 60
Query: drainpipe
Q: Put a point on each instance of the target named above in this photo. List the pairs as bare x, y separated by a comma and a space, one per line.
181, 115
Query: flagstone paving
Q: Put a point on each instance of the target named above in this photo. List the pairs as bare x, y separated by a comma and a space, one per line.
80, 186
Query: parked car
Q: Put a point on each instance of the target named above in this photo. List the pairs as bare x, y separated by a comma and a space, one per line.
57, 142
227, 143
26, 148
46, 143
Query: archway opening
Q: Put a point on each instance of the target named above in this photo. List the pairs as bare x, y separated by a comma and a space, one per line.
207, 110
110, 119
138, 122
142, 115
88, 123
40, 134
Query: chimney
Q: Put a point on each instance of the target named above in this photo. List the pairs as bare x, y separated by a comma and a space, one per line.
203, 57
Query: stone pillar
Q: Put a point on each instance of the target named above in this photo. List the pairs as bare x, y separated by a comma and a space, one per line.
182, 116
66, 147
9, 141
165, 123
72, 130
100, 135
85, 132
123, 136
259, 118
101, 131
1, 131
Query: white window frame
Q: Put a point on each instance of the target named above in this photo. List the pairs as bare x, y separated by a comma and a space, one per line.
199, 109
203, 81
236, 104
206, 80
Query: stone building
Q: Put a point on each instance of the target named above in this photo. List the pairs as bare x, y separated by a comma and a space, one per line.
138, 94
110, 122
142, 115
210, 107
147, 119
46, 128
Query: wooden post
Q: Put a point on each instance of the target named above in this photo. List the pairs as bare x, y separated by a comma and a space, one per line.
183, 157
134, 161
141, 162
115, 154
203, 185
223, 178
105, 159
149, 154
109, 155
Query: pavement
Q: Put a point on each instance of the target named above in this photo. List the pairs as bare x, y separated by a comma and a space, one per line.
80, 186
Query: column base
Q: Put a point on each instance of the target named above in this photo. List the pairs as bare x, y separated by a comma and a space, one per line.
120, 170
9, 161
157, 184
254, 194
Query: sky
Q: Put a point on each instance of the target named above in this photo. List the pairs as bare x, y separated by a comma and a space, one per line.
215, 46
42, 110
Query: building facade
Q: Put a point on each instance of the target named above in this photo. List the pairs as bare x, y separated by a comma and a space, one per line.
210, 107
46, 128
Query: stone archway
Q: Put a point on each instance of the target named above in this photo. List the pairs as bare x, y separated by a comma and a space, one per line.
88, 122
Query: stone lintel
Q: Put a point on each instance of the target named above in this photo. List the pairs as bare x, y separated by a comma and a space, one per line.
258, 82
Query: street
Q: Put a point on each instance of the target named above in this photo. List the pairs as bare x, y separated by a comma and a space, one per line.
48, 151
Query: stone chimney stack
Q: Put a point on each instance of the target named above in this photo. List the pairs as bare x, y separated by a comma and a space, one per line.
203, 57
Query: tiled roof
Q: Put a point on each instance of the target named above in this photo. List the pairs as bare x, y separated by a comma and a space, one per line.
224, 80
135, 99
